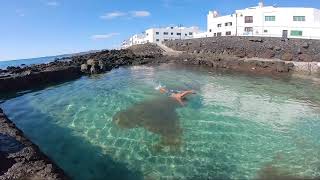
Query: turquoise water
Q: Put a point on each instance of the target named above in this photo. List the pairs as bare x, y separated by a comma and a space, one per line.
234, 127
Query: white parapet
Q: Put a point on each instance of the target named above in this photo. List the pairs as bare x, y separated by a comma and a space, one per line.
160, 35
268, 21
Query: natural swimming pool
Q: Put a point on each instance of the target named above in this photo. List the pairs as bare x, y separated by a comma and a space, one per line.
235, 127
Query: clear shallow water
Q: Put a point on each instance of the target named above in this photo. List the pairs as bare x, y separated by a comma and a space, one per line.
233, 128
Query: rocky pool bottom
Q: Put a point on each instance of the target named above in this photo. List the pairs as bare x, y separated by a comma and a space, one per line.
234, 127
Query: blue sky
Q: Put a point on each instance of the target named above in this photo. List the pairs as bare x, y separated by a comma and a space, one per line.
33, 28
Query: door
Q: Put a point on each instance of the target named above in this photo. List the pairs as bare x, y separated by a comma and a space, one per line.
285, 33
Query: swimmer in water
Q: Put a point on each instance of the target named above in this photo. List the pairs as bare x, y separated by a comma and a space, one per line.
177, 95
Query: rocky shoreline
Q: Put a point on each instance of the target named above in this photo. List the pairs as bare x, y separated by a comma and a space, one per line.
25, 78
250, 55
245, 54
21, 159
258, 55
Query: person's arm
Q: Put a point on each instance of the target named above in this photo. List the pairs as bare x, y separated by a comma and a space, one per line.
185, 93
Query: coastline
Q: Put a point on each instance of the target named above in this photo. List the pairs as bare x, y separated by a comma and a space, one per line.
229, 56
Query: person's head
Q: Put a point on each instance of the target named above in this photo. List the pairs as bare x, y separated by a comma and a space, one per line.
162, 90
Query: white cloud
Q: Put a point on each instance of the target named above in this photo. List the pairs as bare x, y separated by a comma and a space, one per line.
104, 36
130, 14
20, 13
140, 13
113, 15
53, 3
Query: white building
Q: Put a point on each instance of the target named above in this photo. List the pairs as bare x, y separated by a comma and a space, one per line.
160, 35
267, 21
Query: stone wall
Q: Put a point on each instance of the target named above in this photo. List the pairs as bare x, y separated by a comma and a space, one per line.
21, 159
249, 47
15, 79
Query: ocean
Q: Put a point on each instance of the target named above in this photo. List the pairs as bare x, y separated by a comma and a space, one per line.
27, 62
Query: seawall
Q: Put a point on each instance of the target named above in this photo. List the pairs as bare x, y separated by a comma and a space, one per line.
21, 159
258, 54
15, 79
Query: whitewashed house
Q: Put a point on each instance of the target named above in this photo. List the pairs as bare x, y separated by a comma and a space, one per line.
267, 21
160, 35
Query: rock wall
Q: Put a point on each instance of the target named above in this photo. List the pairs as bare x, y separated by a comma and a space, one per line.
249, 47
222, 62
18, 79
21, 159
27, 80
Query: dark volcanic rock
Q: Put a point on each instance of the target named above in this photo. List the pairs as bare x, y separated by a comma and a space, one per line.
29, 77
260, 47
94, 69
305, 45
305, 58
287, 57
36, 79
84, 68
21, 159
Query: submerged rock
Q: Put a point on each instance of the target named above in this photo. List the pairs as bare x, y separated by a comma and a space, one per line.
158, 116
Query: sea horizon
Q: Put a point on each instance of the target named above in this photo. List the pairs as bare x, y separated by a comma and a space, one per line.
39, 60
29, 61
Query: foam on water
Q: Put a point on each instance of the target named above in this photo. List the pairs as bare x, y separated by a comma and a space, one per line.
233, 128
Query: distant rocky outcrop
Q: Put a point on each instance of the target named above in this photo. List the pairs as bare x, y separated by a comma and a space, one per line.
29, 77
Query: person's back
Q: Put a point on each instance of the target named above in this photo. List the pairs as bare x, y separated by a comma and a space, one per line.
177, 95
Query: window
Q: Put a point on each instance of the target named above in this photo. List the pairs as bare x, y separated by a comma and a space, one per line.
215, 34
190, 33
228, 33
157, 33
165, 39
171, 27
219, 25
172, 33
265, 31
210, 30
270, 18
186, 34
157, 40
219, 34
296, 33
178, 34
248, 29
248, 19
228, 24
165, 33
299, 18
